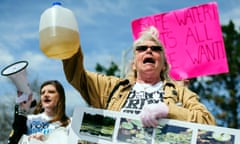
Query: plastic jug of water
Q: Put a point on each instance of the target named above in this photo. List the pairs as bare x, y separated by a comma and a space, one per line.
58, 32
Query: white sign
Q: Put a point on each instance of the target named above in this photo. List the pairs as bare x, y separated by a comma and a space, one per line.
110, 127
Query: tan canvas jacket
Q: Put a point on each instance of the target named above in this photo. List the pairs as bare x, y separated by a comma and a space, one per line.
108, 92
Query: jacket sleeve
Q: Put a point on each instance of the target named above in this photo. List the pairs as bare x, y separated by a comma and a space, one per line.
93, 87
185, 105
19, 127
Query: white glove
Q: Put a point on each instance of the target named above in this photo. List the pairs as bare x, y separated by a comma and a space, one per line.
151, 113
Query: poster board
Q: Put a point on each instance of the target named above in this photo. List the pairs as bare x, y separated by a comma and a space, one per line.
192, 38
110, 127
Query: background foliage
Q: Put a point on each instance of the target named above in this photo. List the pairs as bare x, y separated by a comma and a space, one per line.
222, 92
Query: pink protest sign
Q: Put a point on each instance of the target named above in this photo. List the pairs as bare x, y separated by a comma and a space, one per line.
192, 38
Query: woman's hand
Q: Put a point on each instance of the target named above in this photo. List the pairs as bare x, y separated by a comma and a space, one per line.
38, 136
26, 104
151, 113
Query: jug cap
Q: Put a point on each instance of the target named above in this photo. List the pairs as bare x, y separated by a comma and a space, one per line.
56, 3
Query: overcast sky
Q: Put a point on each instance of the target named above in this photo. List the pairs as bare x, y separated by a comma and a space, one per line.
104, 27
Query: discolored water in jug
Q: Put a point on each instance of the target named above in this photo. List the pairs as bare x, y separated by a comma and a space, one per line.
59, 42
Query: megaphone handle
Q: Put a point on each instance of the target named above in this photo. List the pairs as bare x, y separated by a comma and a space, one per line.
33, 103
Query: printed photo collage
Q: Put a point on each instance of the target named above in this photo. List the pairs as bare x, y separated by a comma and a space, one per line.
108, 127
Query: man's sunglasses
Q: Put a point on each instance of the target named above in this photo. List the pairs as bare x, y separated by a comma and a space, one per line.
144, 48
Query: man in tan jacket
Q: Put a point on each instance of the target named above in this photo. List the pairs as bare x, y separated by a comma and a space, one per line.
147, 91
